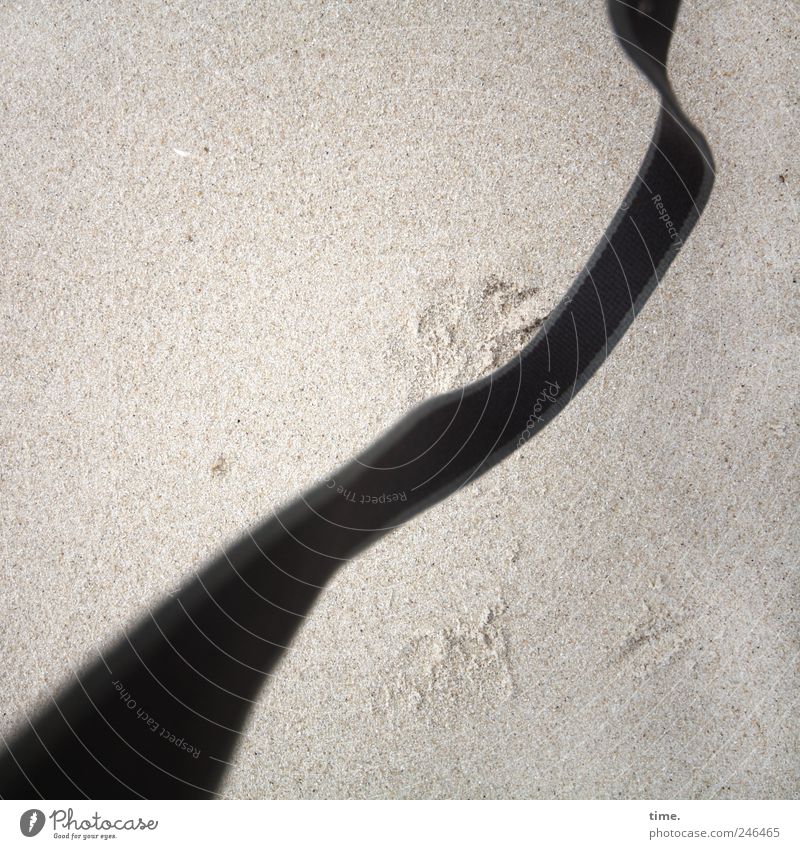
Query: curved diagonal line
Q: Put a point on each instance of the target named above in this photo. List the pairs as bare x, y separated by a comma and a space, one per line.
464, 442
602, 312
502, 430
256, 592
239, 624
219, 648
139, 754
170, 693
429, 448
624, 275
54, 760
19, 767
197, 671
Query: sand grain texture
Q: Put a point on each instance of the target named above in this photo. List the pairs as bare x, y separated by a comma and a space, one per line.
240, 239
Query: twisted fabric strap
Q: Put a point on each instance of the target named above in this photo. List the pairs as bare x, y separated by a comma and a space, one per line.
159, 714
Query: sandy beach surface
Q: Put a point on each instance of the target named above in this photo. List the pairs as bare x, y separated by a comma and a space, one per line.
238, 240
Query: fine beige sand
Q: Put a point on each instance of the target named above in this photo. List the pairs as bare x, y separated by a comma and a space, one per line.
239, 239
